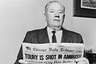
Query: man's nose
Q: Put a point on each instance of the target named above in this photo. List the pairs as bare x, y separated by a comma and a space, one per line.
57, 15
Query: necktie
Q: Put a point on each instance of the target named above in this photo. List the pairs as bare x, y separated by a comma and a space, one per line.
53, 37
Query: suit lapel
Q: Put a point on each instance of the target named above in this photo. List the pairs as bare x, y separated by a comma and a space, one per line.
66, 37
43, 36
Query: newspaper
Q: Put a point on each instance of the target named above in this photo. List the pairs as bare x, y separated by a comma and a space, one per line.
62, 53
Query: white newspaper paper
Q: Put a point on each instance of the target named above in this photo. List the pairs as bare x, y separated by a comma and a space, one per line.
62, 53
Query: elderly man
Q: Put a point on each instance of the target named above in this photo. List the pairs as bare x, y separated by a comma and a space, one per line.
53, 32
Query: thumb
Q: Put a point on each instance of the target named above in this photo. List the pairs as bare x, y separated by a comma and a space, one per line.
22, 61
82, 60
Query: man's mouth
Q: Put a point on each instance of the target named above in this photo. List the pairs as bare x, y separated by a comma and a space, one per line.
56, 19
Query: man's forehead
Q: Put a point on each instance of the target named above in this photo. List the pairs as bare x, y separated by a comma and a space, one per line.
55, 5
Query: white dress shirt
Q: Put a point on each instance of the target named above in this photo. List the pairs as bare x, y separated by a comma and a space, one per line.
58, 35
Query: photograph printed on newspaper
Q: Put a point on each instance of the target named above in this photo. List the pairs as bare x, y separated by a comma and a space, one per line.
63, 53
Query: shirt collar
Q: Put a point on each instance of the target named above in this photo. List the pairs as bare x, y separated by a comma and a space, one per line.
50, 30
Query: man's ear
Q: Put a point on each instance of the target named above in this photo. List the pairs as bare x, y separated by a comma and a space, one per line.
63, 16
44, 13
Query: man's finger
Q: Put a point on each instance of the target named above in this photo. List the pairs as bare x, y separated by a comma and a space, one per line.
22, 61
82, 60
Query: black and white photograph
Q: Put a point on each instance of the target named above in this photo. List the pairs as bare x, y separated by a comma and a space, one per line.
47, 32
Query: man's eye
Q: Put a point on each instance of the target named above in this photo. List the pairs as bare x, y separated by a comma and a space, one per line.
60, 12
51, 11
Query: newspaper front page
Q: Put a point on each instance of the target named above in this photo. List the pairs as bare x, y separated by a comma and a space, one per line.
64, 53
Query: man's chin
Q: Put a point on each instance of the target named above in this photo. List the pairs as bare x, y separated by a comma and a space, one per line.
57, 26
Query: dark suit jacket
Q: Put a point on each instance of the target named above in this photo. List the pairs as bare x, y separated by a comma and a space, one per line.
40, 36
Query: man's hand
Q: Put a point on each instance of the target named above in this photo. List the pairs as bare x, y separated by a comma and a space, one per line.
78, 61
22, 61
82, 61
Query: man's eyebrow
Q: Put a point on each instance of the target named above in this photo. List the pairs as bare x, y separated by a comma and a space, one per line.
60, 10
51, 9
